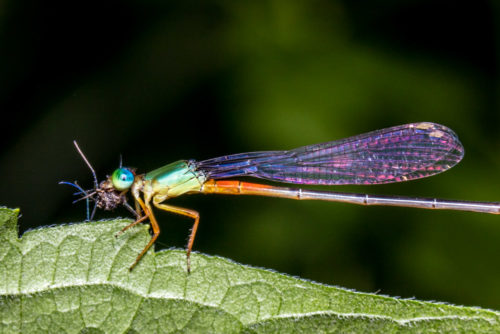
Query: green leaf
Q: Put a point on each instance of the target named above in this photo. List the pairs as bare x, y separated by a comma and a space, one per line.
75, 278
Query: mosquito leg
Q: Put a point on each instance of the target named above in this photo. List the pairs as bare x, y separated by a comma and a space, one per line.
130, 209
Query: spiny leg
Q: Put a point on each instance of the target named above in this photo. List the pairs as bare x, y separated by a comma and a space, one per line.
185, 212
137, 208
148, 213
139, 220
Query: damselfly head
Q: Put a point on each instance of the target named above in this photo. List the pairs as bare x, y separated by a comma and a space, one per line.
110, 193
122, 178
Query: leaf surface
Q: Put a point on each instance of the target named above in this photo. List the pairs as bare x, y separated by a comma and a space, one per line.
75, 278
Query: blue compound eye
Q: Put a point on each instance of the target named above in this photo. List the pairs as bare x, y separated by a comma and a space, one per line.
122, 179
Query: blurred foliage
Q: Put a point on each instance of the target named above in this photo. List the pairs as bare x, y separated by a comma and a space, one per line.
158, 82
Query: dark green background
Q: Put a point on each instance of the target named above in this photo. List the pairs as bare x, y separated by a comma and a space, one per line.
159, 81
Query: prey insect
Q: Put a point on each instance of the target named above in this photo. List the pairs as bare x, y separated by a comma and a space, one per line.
396, 154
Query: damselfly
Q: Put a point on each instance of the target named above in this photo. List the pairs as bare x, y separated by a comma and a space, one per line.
395, 154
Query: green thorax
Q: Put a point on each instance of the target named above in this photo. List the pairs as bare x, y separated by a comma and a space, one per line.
176, 178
